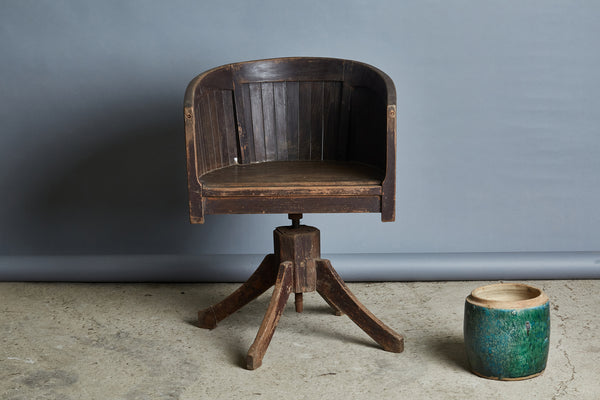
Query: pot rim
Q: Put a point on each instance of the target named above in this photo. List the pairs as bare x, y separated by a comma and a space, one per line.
526, 296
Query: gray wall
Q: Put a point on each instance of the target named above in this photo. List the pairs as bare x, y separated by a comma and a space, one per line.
498, 123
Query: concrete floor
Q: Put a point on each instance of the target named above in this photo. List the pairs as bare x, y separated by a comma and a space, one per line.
138, 341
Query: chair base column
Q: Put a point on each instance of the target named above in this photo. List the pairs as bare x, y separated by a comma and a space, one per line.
296, 266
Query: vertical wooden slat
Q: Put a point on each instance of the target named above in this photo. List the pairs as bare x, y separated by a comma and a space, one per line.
292, 108
207, 139
249, 118
316, 121
214, 155
227, 124
244, 123
240, 125
344, 124
257, 121
304, 122
218, 136
199, 140
268, 112
280, 100
331, 118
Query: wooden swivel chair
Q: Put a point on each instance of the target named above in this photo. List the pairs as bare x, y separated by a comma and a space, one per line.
292, 136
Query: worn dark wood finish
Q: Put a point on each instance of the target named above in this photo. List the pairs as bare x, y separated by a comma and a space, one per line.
292, 135
290, 109
332, 288
300, 191
295, 120
289, 175
292, 114
289, 204
283, 288
301, 245
336, 310
258, 283
301, 270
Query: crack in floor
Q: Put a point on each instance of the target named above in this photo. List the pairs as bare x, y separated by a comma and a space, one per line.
563, 385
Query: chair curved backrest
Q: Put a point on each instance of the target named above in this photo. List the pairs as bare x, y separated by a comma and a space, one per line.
290, 110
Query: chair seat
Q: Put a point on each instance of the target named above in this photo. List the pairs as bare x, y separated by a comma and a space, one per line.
293, 178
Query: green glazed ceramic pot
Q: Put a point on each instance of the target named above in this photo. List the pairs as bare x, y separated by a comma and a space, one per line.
507, 331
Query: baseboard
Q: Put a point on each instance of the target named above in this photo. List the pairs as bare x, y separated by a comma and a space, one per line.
352, 267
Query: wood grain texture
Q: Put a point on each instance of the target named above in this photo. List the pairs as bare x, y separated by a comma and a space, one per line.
301, 246
215, 138
315, 116
217, 129
202, 138
335, 291
332, 116
297, 252
304, 124
294, 174
281, 293
280, 109
287, 191
225, 111
258, 122
268, 116
258, 283
291, 204
388, 186
243, 114
297, 120
290, 109
290, 69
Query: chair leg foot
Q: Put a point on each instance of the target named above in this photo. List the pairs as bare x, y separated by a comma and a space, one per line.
261, 280
252, 363
281, 293
333, 289
336, 310
207, 318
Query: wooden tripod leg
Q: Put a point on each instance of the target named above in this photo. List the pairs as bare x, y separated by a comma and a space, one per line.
261, 280
334, 291
336, 310
281, 292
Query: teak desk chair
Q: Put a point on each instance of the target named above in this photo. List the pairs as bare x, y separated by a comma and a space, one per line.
292, 136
